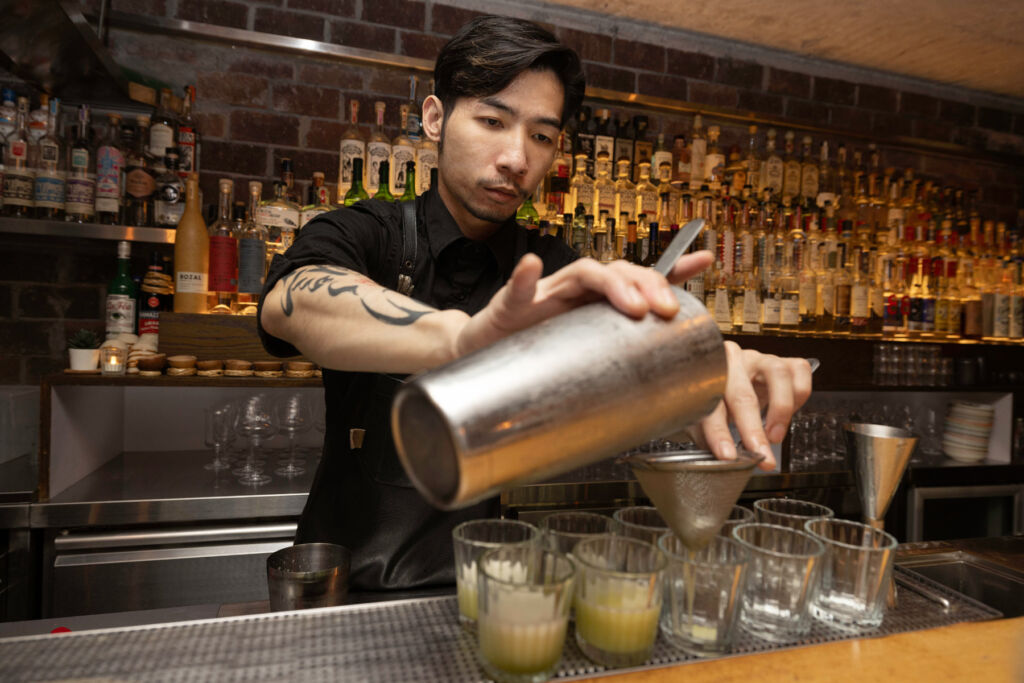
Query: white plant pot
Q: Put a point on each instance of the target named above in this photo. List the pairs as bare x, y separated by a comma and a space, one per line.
84, 359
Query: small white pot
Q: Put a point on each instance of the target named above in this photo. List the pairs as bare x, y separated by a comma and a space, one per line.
84, 359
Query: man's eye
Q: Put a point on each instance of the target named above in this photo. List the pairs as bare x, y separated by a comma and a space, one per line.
493, 123
543, 139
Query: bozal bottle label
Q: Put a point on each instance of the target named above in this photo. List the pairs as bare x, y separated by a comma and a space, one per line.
252, 256
120, 314
190, 282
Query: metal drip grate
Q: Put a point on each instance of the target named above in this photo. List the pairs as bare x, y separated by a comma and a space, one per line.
412, 640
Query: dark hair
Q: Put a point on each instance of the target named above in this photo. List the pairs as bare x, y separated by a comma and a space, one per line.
489, 52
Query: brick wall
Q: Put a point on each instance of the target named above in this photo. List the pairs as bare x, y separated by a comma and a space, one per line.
256, 106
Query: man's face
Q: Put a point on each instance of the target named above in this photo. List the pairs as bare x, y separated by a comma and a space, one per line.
496, 149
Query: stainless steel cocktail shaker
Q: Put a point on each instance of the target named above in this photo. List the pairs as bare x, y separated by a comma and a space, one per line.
583, 386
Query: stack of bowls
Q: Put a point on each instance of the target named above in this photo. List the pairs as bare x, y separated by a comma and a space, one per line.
968, 428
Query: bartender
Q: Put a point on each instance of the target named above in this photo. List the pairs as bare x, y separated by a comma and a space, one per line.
504, 89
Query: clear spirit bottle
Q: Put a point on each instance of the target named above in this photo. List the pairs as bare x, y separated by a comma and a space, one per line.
647, 192
714, 161
19, 182
188, 136
581, 187
280, 217
604, 188
80, 186
774, 169
162, 127
252, 255
351, 147
810, 172
319, 200
625, 192
169, 199
791, 169
403, 150
223, 278
110, 164
698, 153
378, 149
49, 172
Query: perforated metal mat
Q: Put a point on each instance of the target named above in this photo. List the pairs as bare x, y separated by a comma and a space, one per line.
411, 640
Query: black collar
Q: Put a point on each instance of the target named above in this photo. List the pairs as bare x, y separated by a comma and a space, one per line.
507, 244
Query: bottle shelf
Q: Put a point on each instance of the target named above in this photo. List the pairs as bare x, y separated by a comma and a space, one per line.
53, 228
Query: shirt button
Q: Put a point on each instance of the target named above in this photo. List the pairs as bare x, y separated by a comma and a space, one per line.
461, 296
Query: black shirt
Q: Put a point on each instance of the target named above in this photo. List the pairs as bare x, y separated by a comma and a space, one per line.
361, 497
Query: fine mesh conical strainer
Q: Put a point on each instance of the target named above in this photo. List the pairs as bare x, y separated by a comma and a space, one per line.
693, 490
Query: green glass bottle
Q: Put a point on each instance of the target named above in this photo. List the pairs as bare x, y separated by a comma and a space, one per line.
410, 183
356, 192
383, 189
527, 215
121, 296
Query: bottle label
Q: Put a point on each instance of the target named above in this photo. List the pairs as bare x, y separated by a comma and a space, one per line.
585, 196
751, 308
698, 159
1001, 315
828, 300
79, 159
604, 146
1016, 316
376, 152
789, 311
109, 164
161, 136
186, 150
809, 182
120, 314
942, 316
723, 316
49, 190
349, 149
842, 301
306, 215
280, 222
49, 154
400, 156
808, 297
149, 322
252, 261
772, 310
19, 151
928, 315
791, 180
139, 184
79, 195
649, 203
426, 159
223, 264
186, 282
773, 171
18, 188
627, 204
168, 205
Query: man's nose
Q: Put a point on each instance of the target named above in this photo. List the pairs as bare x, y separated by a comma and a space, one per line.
512, 159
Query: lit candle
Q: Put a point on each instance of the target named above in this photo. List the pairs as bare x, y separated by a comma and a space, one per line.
111, 361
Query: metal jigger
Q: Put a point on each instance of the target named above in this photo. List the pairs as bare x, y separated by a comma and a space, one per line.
880, 455
693, 491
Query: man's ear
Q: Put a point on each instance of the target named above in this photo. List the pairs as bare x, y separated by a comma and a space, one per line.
433, 118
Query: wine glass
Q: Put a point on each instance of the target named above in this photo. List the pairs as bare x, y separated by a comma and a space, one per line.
219, 430
255, 422
293, 418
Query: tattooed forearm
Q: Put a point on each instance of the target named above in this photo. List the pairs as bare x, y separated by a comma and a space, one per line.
337, 281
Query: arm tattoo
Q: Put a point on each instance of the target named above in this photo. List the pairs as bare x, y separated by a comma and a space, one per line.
337, 281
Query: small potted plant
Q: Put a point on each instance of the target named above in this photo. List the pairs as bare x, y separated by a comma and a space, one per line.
84, 350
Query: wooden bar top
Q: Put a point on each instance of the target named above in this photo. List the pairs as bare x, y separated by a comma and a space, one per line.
984, 652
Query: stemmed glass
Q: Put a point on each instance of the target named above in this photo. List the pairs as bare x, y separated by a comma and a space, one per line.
320, 424
255, 422
293, 418
219, 430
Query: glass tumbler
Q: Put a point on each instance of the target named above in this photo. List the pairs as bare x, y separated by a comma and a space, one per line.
855, 575
789, 512
704, 594
642, 521
618, 598
563, 530
471, 540
525, 593
739, 515
782, 580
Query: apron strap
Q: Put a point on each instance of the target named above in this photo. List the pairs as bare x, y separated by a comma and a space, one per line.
408, 265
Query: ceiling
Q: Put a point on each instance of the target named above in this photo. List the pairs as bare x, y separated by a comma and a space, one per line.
977, 44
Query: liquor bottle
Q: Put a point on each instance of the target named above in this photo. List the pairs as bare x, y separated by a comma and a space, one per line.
970, 304
426, 162
681, 165
788, 287
661, 164
155, 295
1017, 303
604, 188
110, 164
860, 291
356, 193
19, 183
413, 118
647, 192
827, 180
581, 187
188, 136
8, 113
252, 254
556, 181
191, 254
223, 261
121, 295
810, 172
526, 214
774, 169
604, 138
584, 144
585, 247
319, 200
954, 303
604, 241
752, 161
643, 149
623, 148
568, 229
1001, 293
169, 199
402, 150
714, 161
807, 288
139, 181
653, 245
48, 168
162, 126
698, 153
843, 287
378, 149
630, 252
383, 191
625, 192
281, 219
37, 119
352, 146
80, 186
791, 169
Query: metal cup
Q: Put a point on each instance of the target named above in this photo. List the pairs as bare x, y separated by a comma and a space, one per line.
308, 575
567, 392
